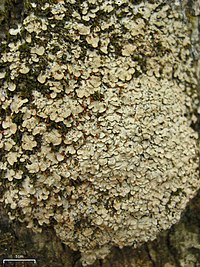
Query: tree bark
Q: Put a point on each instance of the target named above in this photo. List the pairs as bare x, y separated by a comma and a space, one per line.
176, 247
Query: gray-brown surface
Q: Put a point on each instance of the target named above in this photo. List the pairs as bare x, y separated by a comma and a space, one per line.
178, 246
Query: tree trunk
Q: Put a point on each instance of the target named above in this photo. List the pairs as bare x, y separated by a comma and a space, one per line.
178, 246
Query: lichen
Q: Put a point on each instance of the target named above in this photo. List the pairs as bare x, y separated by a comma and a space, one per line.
96, 132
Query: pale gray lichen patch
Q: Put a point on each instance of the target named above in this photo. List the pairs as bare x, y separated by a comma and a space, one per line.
96, 131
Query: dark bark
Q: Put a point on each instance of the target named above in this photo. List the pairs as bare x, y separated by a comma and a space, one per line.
176, 247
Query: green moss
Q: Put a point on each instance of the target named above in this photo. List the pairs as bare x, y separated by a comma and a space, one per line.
2, 115
13, 11
17, 118
19, 166
8, 5
7, 76
2, 16
116, 42
25, 87
69, 11
24, 48
45, 90
38, 139
2, 156
32, 176
135, 2
55, 49
17, 137
83, 53
43, 2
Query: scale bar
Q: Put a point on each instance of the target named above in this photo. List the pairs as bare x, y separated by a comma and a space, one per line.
19, 260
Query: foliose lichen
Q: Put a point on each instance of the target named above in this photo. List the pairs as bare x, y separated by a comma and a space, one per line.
96, 134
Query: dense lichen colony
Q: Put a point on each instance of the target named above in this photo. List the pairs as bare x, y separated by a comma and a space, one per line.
95, 138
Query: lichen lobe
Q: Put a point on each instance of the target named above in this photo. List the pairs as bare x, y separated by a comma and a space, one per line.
96, 138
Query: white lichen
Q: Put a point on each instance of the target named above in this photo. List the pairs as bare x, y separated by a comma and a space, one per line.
95, 121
